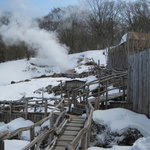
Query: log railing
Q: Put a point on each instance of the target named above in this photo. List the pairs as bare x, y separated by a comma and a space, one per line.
83, 136
53, 127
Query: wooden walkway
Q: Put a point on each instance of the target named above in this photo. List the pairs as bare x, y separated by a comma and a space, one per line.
72, 128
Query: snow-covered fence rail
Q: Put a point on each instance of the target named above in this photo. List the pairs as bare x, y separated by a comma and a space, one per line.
139, 82
53, 125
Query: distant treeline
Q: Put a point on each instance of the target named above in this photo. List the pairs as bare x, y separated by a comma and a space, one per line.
100, 25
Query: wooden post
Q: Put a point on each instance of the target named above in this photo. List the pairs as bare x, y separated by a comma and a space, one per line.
69, 100
36, 104
45, 114
106, 94
10, 111
62, 106
87, 93
32, 134
2, 145
26, 109
51, 121
84, 141
61, 88
123, 83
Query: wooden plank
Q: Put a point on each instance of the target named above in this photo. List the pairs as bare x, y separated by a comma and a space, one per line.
78, 121
59, 148
73, 128
74, 125
61, 143
70, 133
66, 138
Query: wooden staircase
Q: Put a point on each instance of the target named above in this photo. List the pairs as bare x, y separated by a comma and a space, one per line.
72, 128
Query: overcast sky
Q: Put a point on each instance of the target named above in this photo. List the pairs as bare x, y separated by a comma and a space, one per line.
34, 8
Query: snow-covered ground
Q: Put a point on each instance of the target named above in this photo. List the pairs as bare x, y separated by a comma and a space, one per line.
15, 144
119, 120
20, 70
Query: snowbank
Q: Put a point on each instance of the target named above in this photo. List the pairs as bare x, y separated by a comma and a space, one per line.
142, 144
113, 148
18, 123
82, 58
120, 119
15, 144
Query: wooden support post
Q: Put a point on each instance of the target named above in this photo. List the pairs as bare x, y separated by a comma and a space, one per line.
84, 142
62, 106
36, 104
51, 121
26, 109
10, 111
80, 97
32, 134
46, 106
88, 136
74, 97
87, 93
123, 84
61, 88
2, 145
69, 100
106, 94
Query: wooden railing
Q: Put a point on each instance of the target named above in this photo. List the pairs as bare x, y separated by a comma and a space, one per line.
53, 127
83, 136
27, 105
103, 84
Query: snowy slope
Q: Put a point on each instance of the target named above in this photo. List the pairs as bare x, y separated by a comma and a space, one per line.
22, 69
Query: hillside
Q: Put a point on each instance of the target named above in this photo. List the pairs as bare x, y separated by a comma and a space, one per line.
32, 75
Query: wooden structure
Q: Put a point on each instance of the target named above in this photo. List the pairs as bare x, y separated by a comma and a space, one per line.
31, 108
139, 82
70, 86
70, 133
131, 43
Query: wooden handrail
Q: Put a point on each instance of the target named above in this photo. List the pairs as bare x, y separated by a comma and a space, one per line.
76, 140
14, 133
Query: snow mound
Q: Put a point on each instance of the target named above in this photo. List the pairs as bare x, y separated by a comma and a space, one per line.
113, 148
119, 119
16, 124
15, 144
91, 55
142, 144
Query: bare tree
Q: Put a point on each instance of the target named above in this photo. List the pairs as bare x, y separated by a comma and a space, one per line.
103, 21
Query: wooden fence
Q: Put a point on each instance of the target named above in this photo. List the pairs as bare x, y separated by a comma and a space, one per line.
139, 82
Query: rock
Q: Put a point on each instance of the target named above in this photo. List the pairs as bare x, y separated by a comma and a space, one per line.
102, 136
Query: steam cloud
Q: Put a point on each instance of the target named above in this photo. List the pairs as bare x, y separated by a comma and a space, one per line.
46, 44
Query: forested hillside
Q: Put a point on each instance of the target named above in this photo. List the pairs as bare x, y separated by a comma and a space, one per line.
96, 25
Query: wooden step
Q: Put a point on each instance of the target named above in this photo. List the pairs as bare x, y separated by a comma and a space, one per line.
59, 148
74, 125
73, 128
61, 143
66, 138
77, 119
74, 121
73, 133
